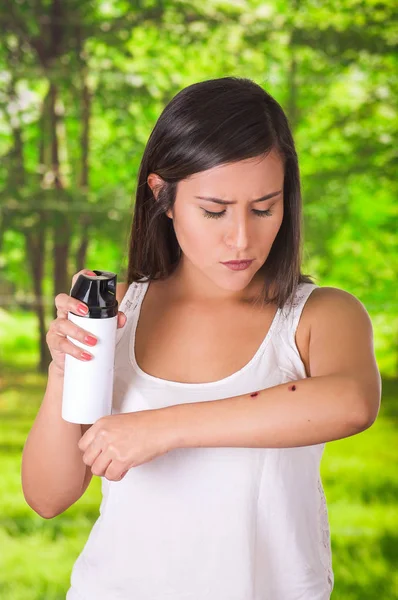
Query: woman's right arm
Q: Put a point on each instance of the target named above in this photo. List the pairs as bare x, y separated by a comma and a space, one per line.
52, 468
53, 473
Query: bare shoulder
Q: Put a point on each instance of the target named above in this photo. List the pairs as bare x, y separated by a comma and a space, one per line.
328, 303
325, 294
341, 343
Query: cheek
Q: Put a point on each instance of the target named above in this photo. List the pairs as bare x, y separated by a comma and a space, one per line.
195, 235
268, 226
273, 226
276, 225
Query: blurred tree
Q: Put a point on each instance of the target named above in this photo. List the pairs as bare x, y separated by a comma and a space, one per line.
40, 39
85, 82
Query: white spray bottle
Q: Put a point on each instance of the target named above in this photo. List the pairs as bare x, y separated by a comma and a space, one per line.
88, 386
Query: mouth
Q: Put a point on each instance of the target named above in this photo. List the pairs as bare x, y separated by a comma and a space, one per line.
238, 262
238, 265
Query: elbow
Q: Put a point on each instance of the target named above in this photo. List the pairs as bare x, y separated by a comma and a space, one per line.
42, 511
46, 512
368, 409
41, 508
47, 515
49, 511
48, 504
34, 503
363, 422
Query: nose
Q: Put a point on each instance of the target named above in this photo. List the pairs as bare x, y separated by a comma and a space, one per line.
238, 233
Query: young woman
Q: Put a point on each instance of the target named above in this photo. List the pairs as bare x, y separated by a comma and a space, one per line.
229, 378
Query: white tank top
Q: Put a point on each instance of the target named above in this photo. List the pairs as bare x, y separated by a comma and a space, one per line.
210, 523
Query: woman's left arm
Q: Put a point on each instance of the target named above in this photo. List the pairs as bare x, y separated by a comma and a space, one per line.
339, 399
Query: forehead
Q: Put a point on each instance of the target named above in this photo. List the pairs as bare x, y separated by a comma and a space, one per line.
257, 175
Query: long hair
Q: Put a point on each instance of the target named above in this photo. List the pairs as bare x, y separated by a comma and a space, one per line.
207, 124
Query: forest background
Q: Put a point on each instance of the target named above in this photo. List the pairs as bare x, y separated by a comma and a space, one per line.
81, 87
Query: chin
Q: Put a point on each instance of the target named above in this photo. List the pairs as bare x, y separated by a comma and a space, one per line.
236, 280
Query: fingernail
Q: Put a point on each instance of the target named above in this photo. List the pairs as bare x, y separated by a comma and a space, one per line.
82, 309
86, 356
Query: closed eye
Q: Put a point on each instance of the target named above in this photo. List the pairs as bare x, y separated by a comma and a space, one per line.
217, 215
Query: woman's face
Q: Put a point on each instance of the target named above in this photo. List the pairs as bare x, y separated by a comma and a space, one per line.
210, 233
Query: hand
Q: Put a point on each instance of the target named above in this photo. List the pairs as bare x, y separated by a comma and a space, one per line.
56, 338
114, 444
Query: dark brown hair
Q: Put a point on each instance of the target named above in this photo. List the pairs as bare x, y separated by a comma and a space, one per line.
207, 124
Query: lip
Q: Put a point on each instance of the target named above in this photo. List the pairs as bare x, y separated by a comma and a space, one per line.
238, 265
238, 262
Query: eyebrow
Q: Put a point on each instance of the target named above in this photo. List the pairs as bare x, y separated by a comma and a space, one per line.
219, 201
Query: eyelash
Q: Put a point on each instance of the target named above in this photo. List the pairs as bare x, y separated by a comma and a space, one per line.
259, 213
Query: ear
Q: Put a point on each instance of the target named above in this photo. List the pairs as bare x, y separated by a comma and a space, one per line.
155, 182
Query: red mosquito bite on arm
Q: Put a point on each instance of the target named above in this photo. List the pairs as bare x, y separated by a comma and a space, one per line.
291, 388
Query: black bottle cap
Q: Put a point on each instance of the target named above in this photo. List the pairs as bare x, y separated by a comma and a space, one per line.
98, 292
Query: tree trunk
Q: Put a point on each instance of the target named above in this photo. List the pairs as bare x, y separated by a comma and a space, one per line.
81, 253
85, 219
35, 251
61, 221
292, 108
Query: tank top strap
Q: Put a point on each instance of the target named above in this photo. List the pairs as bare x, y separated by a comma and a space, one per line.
128, 305
293, 308
130, 298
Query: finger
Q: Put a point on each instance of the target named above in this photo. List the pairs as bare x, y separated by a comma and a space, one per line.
121, 319
60, 343
57, 340
87, 438
92, 453
62, 303
114, 471
65, 304
64, 327
101, 464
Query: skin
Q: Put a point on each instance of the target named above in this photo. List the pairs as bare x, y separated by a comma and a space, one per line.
342, 392
339, 398
236, 235
239, 233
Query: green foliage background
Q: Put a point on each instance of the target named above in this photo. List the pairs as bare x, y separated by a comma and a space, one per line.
81, 87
